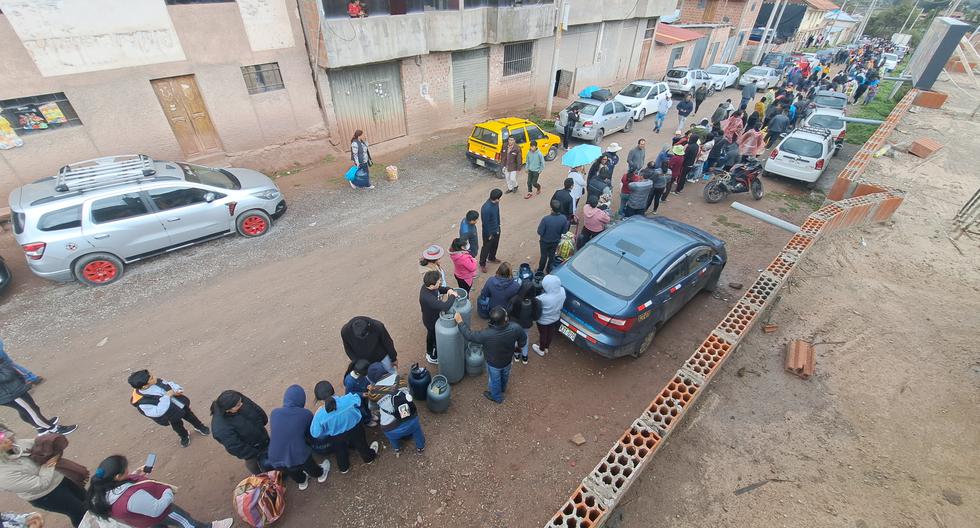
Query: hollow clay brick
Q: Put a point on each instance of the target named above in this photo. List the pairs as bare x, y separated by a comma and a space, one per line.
800, 358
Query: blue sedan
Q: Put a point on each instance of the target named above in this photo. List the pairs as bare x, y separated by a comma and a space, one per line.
624, 284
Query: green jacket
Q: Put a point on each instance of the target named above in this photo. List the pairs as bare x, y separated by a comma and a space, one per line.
535, 161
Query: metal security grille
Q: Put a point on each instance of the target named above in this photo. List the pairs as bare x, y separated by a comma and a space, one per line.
517, 58
651, 28
369, 98
471, 86
263, 78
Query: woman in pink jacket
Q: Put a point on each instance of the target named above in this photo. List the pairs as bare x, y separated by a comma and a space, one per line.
463, 262
595, 222
733, 126
751, 143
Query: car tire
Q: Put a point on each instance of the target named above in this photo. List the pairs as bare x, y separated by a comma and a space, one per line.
712, 284
644, 344
598, 137
643, 114
254, 223
552, 153
98, 269
628, 126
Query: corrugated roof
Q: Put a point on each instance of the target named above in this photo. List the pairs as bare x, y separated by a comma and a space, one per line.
667, 34
839, 16
821, 5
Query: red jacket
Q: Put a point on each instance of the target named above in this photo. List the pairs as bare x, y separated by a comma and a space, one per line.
676, 166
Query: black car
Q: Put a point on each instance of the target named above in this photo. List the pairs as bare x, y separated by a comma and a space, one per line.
4, 275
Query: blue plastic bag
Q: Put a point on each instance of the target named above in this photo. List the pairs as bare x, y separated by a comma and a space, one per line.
351, 173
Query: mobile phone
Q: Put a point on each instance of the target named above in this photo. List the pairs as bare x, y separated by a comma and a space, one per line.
151, 461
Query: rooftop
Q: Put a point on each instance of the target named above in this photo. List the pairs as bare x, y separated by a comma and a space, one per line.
667, 34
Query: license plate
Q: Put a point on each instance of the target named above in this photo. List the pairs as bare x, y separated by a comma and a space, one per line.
481, 163
567, 332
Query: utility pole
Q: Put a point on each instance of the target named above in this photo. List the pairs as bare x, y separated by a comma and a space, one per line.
775, 28
826, 36
864, 23
765, 33
908, 18
560, 20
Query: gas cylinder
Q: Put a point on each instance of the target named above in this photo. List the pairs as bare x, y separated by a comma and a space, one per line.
418, 381
439, 392
449, 348
536, 281
474, 359
463, 306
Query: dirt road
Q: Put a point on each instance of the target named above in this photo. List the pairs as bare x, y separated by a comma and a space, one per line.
258, 315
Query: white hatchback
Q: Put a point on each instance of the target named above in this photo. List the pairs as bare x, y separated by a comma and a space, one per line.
723, 75
643, 97
802, 155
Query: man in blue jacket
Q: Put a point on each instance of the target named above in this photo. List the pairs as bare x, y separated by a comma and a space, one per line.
490, 217
289, 449
467, 231
684, 109
550, 230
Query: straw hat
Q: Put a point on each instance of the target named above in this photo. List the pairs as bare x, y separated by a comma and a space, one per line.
614, 147
433, 252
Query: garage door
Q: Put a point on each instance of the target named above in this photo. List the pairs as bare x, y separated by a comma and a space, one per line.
369, 98
470, 80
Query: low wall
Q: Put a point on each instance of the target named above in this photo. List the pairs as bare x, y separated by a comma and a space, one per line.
853, 201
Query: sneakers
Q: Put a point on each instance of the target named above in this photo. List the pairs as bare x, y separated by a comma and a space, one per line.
432, 359
538, 350
325, 465
376, 447
223, 523
517, 356
185, 441
524, 359
204, 431
352, 186
487, 395
420, 450
483, 268
63, 430
305, 484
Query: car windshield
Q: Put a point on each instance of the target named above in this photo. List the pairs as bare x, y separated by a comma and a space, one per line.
677, 74
635, 90
830, 101
209, 176
583, 108
762, 72
484, 135
718, 70
802, 147
826, 121
609, 271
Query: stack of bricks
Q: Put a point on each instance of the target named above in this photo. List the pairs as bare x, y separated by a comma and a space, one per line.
857, 202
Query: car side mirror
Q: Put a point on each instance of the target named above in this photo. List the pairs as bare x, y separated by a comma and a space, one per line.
716, 260
210, 197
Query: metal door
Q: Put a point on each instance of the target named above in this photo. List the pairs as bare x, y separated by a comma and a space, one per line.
729, 51
698, 55
188, 116
369, 98
712, 54
471, 88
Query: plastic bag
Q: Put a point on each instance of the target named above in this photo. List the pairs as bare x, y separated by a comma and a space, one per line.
351, 173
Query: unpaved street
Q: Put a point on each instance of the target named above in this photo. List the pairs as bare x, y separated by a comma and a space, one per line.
258, 315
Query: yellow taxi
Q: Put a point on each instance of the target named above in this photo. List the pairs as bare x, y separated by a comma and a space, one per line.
486, 143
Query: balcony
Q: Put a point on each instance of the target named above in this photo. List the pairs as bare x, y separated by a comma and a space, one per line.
394, 29
587, 12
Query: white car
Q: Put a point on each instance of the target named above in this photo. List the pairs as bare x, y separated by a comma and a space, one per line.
832, 120
723, 75
686, 80
763, 77
802, 155
643, 97
891, 61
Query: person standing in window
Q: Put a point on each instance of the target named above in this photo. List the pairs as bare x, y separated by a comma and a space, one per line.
356, 9
361, 157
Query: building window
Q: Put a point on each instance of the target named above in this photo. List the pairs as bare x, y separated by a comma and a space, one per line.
369, 8
517, 58
651, 28
675, 54
30, 115
262, 78
503, 3
179, 2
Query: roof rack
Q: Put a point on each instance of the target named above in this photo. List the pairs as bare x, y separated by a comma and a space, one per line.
104, 172
820, 131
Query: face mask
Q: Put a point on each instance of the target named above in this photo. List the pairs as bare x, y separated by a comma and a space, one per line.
466, 247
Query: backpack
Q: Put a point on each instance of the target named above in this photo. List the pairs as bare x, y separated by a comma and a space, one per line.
525, 272
260, 499
566, 246
402, 405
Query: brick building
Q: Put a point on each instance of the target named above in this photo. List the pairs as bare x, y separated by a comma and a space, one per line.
738, 16
686, 46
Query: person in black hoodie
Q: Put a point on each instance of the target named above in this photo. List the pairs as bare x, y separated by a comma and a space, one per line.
525, 310
238, 424
550, 230
366, 338
500, 341
564, 197
432, 305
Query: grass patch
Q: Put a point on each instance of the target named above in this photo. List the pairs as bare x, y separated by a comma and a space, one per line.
743, 66
722, 221
879, 108
545, 123
796, 202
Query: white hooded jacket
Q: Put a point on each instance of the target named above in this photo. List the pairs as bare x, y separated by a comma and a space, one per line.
552, 299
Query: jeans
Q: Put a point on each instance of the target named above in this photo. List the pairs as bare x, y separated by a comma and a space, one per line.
29, 376
564, 137
66, 498
547, 260
633, 212
526, 344
657, 195
532, 181
681, 119
497, 382
411, 427
623, 198
489, 249
744, 103
430, 340
658, 122
299, 473
355, 437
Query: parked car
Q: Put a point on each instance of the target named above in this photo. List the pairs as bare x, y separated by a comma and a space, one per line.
779, 61
643, 97
626, 283
96, 216
891, 61
803, 154
723, 75
5, 277
827, 55
686, 80
763, 77
831, 100
832, 120
597, 119
485, 145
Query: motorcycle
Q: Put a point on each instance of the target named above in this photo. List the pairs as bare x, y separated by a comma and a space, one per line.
744, 177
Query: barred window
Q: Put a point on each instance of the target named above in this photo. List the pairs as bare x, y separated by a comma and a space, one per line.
517, 58
30, 115
262, 78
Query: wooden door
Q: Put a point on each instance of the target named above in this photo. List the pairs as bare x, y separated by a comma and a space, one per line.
641, 69
188, 116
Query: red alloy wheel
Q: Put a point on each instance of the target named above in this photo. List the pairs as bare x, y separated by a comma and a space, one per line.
254, 225
100, 271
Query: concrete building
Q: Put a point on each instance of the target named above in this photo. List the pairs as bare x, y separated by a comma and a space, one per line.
680, 46
840, 27
411, 67
737, 16
167, 78
813, 25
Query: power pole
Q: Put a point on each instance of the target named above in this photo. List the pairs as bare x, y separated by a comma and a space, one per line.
864, 23
775, 28
826, 36
908, 18
765, 33
560, 20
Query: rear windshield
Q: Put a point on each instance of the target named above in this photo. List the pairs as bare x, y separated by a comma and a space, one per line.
209, 176
609, 271
67, 218
802, 147
826, 121
718, 70
758, 71
677, 74
484, 135
830, 101
635, 90
583, 108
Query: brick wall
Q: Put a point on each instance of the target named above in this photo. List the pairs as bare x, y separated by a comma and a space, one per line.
513, 92
425, 114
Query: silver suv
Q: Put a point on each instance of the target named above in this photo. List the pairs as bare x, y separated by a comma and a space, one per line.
95, 216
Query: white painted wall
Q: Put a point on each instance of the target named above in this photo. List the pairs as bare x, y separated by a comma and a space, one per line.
266, 24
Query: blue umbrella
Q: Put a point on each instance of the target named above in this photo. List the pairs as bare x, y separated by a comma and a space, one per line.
581, 155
